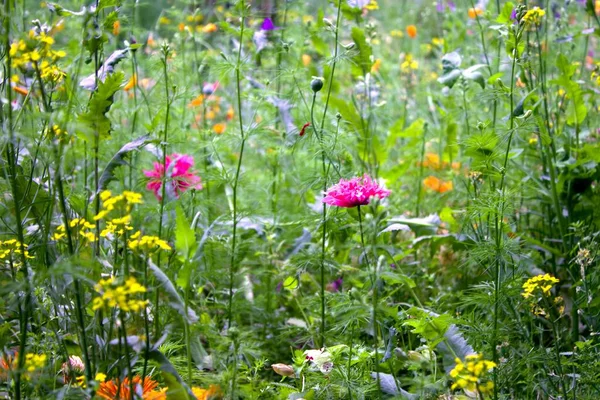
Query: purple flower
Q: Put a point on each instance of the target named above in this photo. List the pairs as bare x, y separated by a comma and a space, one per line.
336, 285
268, 25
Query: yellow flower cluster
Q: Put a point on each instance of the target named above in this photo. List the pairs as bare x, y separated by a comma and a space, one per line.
36, 50
534, 16
541, 283
409, 63
117, 226
147, 243
33, 361
124, 201
121, 296
84, 231
470, 375
12, 246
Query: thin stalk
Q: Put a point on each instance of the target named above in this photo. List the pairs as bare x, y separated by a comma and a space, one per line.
11, 160
232, 266
323, 224
498, 218
164, 144
373, 274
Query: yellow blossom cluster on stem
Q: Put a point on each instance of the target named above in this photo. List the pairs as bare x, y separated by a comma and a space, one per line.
11, 249
121, 296
123, 204
534, 16
147, 243
471, 374
80, 225
539, 284
35, 52
409, 63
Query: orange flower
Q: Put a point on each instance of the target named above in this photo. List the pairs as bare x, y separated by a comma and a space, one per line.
212, 393
376, 65
474, 12
181, 27
197, 101
432, 160
21, 90
108, 390
151, 42
411, 31
116, 27
230, 113
437, 185
306, 59
219, 128
132, 82
7, 362
209, 28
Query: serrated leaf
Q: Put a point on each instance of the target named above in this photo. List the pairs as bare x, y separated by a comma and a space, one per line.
363, 58
95, 117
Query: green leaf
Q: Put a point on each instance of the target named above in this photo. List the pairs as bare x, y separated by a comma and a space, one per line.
431, 328
178, 390
291, 283
474, 75
185, 244
504, 17
95, 118
175, 300
451, 148
450, 78
398, 278
119, 159
363, 58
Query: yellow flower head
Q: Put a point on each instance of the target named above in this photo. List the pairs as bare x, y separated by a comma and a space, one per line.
534, 16
470, 374
542, 284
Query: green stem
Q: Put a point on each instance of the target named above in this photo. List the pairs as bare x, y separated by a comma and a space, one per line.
232, 266
164, 144
373, 274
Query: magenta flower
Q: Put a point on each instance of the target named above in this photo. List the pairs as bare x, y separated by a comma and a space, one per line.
354, 192
179, 178
268, 25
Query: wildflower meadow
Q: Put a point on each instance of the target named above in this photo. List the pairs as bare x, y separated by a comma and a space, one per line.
300, 199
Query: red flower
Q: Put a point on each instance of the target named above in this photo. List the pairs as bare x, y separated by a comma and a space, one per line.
355, 192
303, 130
178, 179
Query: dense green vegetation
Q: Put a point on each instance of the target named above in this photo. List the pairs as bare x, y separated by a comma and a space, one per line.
343, 199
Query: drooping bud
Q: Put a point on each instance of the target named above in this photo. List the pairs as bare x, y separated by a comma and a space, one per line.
283, 369
317, 84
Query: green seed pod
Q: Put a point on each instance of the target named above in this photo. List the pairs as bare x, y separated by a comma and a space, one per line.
316, 84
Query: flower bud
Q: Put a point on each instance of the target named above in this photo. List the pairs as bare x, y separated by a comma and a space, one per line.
283, 369
328, 22
317, 84
350, 46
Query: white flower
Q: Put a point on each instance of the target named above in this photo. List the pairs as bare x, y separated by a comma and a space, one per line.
320, 359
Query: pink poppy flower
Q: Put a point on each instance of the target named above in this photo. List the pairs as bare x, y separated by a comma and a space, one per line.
354, 192
179, 178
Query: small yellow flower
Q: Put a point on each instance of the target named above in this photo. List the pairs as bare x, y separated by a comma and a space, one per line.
534, 16
409, 63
